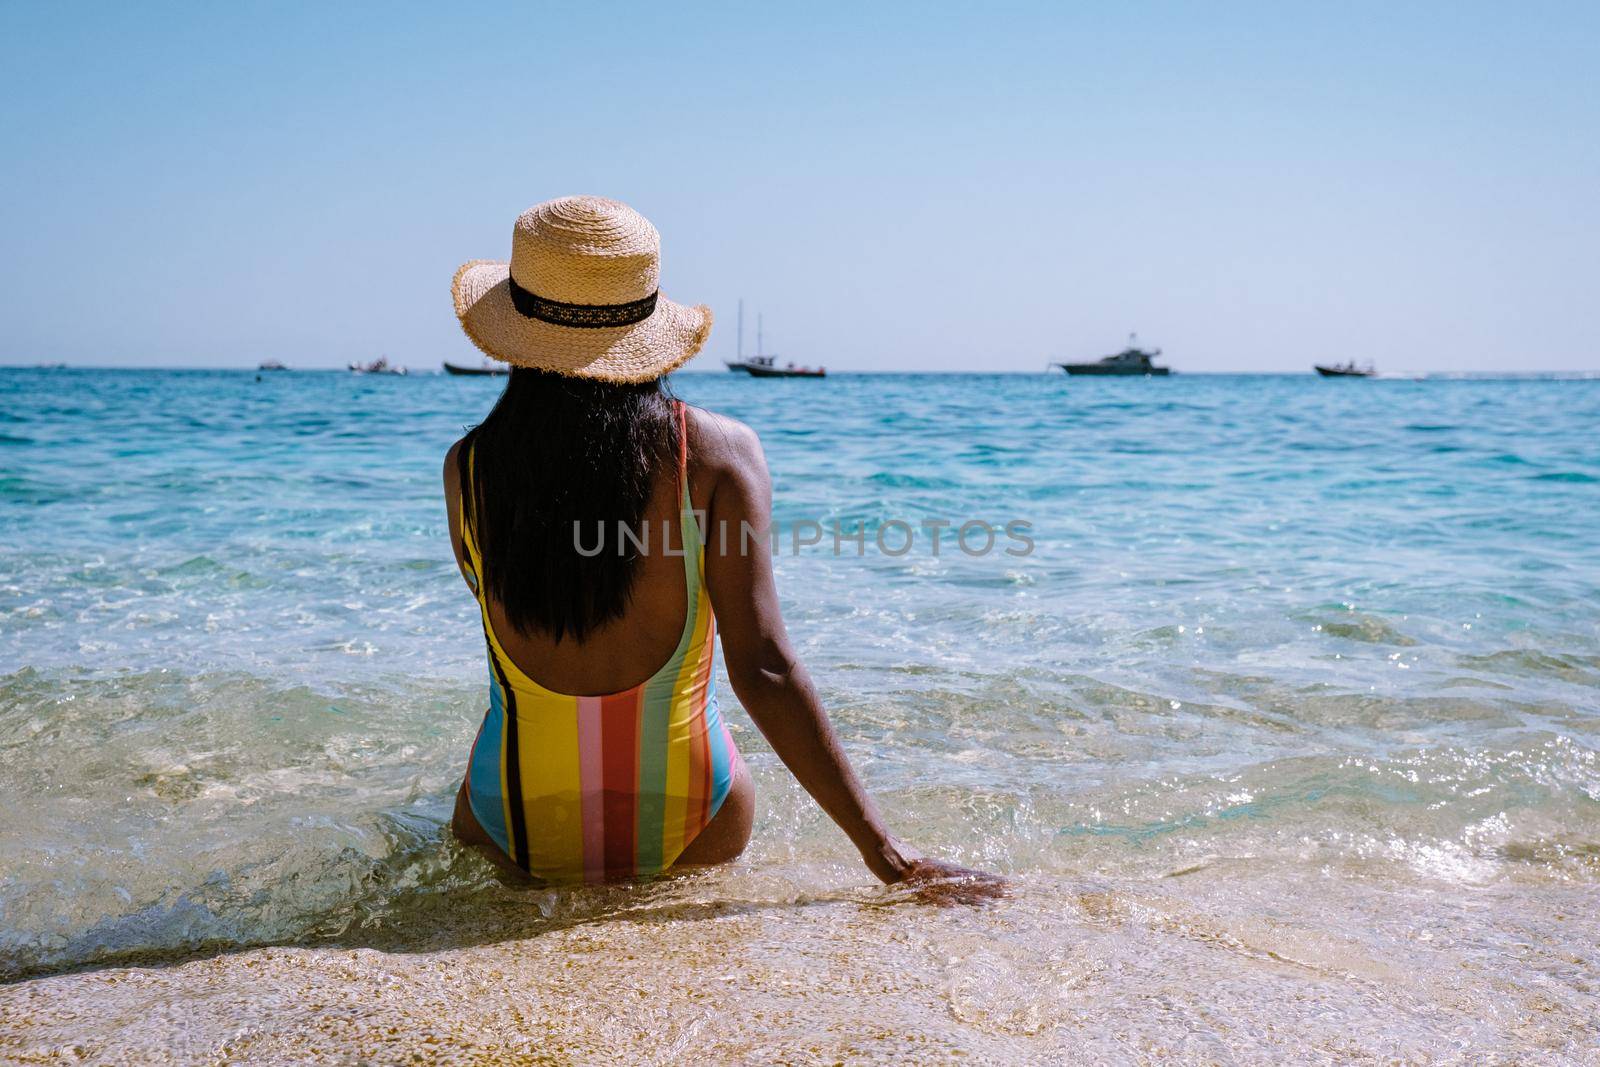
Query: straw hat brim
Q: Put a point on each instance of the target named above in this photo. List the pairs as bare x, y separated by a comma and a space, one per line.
642, 352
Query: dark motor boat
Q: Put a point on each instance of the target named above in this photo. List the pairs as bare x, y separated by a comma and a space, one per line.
487, 370
766, 366
1131, 361
1345, 370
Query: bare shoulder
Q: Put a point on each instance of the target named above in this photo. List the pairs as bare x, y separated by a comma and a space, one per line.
723, 445
452, 470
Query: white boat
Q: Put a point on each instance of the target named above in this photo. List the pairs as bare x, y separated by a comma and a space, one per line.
766, 366
377, 366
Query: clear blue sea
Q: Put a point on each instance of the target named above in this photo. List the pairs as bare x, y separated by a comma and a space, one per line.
1286, 729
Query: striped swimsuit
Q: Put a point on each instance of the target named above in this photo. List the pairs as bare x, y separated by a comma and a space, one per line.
602, 787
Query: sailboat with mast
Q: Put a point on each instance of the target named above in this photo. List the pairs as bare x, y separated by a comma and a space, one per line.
762, 365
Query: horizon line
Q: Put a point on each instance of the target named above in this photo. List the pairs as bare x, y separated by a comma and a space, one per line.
1572, 373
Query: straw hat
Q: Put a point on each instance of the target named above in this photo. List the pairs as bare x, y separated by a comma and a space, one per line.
579, 296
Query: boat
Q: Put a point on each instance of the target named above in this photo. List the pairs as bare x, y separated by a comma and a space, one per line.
766, 366
272, 364
1131, 361
487, 370
377, 366
1345, 370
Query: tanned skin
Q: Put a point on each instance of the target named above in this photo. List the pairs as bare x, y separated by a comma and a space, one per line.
728, 481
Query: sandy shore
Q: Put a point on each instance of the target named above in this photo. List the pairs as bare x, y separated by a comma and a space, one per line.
1193, 967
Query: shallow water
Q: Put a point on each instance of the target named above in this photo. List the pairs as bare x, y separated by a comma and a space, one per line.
1286, 732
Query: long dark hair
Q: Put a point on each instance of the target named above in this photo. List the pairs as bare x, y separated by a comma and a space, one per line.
553, 452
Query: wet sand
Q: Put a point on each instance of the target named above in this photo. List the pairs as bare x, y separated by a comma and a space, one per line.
1193, 965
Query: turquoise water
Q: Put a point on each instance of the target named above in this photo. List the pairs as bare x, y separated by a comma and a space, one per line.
1298, 670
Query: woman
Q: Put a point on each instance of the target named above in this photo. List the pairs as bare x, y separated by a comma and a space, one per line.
576, 515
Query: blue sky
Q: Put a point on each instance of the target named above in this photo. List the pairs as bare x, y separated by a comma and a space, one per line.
1250, 186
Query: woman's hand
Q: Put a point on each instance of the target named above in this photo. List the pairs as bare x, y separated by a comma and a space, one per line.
931, 881
945, 884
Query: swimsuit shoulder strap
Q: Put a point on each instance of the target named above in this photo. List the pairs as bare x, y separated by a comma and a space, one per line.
692, 538
683, 449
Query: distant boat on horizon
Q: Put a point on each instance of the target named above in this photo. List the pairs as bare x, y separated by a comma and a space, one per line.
272, 364
377, 366
1345, 370
1132, 361
486, 370
766, 366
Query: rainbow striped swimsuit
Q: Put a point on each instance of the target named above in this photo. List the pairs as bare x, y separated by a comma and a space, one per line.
603, 787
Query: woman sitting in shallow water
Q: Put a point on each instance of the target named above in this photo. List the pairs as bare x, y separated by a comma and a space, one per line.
606, 530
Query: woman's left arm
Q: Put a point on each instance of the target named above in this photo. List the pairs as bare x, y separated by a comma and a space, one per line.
452, 509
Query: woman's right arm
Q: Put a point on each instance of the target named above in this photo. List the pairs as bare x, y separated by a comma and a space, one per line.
769, 678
